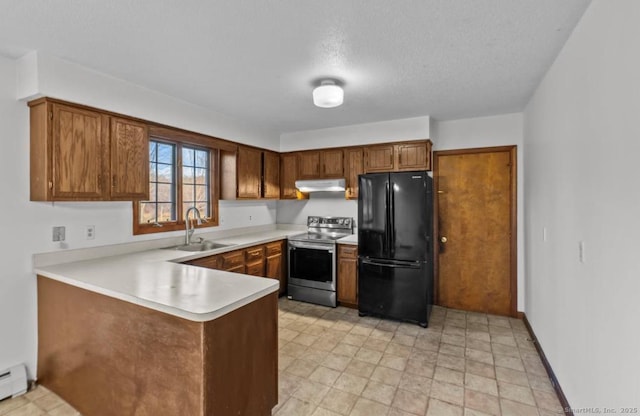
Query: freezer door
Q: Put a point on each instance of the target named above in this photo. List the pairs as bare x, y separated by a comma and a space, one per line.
397, 290
373, 215
411, 216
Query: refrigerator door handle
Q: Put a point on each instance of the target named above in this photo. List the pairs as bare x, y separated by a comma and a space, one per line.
394, 265
387, 208
392, 222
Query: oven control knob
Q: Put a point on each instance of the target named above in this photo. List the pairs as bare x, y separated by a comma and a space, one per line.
340, 221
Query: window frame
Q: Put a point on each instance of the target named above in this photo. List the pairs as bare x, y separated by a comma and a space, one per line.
180, 139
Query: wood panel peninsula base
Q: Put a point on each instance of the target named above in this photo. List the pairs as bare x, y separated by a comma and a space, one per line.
106, 356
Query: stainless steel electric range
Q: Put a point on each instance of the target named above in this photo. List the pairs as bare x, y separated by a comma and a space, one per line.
312, 260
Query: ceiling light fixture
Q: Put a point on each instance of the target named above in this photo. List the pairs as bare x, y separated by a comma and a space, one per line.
328, 94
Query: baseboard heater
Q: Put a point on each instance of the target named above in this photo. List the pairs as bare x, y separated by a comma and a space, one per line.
13, 381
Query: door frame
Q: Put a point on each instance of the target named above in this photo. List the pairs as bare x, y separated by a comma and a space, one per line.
513, 266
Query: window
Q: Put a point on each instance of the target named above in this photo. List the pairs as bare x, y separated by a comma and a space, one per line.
181, 175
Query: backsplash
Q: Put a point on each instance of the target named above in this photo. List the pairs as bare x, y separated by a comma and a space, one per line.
320, 203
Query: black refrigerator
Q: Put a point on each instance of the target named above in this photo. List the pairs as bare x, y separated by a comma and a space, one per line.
395, 253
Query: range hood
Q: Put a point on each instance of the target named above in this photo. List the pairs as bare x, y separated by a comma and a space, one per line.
321, 185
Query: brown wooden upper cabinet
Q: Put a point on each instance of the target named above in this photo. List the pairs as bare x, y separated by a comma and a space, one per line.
80, 154
401, 156
353, 166
288, 175
317, 164
250, 173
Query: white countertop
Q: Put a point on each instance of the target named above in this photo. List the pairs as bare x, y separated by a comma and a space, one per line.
155, 279
352, 239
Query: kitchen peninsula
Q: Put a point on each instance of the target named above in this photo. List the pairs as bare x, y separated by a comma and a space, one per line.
143, 334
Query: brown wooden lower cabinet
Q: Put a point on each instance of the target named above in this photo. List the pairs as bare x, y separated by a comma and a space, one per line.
265, 260
348, 275
106, 356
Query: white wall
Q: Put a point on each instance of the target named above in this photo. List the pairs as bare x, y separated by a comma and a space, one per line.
379, 132
582, 142
322, 203
26, 226
502, 130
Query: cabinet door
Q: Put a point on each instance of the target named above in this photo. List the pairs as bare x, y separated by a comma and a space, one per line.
414, 156
354, 166
332, 163
378, 158
79, 153
309, 165
271, 175
232, 261
255, 269
210, 262
288, 175
347, 275
275, 264
129, 160
249, 172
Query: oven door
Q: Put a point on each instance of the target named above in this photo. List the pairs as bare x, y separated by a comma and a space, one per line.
312, 265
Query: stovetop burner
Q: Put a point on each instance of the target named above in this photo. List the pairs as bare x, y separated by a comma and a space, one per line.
325, 229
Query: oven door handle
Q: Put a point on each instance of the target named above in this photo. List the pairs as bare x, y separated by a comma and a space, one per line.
293, 246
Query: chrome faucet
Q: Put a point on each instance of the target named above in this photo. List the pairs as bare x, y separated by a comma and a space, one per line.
189, 229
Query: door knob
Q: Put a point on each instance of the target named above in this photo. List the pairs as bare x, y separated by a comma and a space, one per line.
443, 239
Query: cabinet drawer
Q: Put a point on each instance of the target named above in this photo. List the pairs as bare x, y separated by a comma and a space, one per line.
231, 260
210, 262
274, 248
237, 269
345, 250
255, 269
254, 253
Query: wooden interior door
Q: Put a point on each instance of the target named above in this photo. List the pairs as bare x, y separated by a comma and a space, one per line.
476, 229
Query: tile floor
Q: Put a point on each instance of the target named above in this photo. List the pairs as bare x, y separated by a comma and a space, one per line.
332, 362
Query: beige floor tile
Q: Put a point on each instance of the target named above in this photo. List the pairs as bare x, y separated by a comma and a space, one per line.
393, 361
411, 402
287, 334
360, 368
456, 340
481, 356
452, 362
336, 361
64, 410
37, 392
386, 375
364, 407
514, 363
512, 376
350, 383
346, 349
481, 384
507, 340
427, 344
448, 376
415, 383
301, 368
483, 402
315, 355
379, 392
357, 340
510, 408
476, 344
439, 408
505, 350
339, 401
325, 344
548, 401
310, 391
29, 409
399, 350
473, 412
516, 393
294, 350
397, 412
480, 369
446, 392
540, 383
10, 404
478, 335
288, 383
368, 356
420, 367
364, 330
452, 350
376, 344
324, 412
324, 375
48, 401
296, 407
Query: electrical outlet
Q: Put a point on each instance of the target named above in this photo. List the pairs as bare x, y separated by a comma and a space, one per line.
90, 232
250, 218
58, 233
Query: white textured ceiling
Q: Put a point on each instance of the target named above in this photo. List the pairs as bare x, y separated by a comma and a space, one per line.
257, 60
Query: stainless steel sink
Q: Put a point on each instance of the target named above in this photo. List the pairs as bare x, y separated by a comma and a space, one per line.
202, 246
